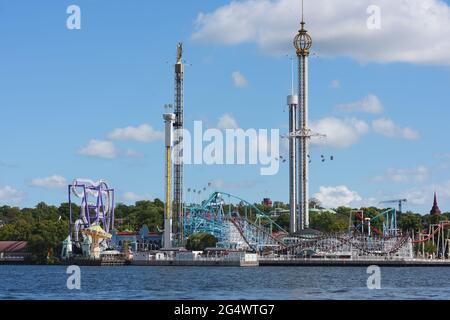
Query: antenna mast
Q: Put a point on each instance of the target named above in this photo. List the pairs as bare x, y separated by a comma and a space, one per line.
303, 20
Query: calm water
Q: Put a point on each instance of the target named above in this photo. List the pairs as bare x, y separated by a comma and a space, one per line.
43, 282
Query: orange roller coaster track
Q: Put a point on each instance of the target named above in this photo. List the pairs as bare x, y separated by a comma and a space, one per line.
431, 235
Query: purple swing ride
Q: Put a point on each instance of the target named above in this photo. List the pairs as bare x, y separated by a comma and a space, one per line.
96, 207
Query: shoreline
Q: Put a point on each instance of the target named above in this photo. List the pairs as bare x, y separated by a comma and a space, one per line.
262, 263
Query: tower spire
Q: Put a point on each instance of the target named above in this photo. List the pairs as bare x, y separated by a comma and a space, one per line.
302, 41
303, 20
435, 211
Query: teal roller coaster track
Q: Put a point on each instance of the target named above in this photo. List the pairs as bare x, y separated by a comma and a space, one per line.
236, 223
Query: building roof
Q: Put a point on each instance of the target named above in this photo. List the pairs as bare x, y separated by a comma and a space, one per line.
13, 246
435, 211
127, 234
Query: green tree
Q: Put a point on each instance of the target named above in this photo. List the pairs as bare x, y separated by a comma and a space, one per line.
64, 210
427, 247
343, 212
284, 221
410, 222
429, 219
158, 203
328, 222
18, 230
315, 203
201, 241
263, 208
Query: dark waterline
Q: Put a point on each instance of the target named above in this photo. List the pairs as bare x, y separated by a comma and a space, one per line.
193, 283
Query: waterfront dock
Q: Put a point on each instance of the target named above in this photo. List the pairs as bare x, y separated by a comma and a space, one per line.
263, 262
292, 262
96, 262
353, 262
197, 263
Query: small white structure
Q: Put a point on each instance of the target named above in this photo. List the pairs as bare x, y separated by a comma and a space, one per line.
250, 260
160, 256
143, 256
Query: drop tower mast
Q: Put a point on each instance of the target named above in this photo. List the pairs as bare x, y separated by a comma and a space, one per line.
303, 44
178, 209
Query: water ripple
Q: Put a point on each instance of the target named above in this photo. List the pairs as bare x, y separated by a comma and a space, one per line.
278, 283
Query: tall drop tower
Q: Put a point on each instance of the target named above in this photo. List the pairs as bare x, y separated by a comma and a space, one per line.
292, 101
178, 126
169, 119
302, 44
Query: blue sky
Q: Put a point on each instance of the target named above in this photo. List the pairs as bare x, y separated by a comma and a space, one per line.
60, 89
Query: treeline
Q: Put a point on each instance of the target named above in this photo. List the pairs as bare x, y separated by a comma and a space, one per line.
46, 226
42, 227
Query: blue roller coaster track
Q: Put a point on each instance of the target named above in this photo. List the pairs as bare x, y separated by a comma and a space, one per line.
236, 223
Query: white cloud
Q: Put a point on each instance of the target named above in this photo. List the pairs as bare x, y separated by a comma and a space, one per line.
239, 80
339, 133
99, 149
360, 126
424, 195
52, 182
132, 153
410, 134
388, 128
142, 133
227, 121
412, 31
366, 203
369, 104
333, 197
419, 174
442, 156
131, 196
416, 197
8, 193
335, 84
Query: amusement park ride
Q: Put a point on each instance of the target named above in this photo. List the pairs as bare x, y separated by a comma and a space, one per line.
438, 235
90, 227
237, 224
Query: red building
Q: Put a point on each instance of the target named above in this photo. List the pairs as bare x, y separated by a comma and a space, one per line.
435, 211
267, 202
13, 250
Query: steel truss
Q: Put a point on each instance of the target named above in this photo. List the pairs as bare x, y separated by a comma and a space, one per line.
236, 226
